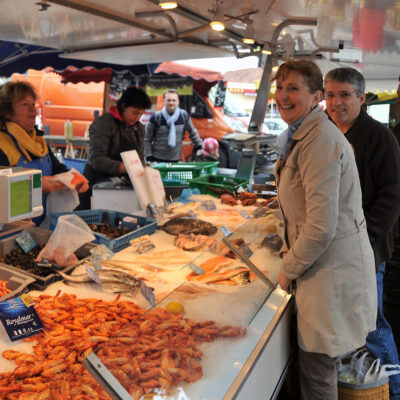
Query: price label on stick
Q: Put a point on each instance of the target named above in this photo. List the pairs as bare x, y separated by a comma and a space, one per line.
25, 241
195, 268
93, 274
225, 230
244, 214
148, 293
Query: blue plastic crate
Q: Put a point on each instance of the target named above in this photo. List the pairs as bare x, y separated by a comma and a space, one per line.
143, 226
77, 163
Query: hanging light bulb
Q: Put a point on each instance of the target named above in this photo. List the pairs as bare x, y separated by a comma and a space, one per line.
217, 24
167, 4
266, 50
249, 34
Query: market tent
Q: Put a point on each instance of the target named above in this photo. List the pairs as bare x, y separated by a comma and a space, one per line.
203, 79
184, 70
85, 75
19, 57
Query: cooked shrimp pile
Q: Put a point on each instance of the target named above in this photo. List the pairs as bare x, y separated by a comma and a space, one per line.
156, 353
73, 328
159, 351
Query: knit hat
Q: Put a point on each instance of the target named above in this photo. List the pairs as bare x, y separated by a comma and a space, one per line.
210, 146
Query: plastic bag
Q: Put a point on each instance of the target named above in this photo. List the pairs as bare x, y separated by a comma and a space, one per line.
354, 371
377, 371
363, 369
72, 179
70, 234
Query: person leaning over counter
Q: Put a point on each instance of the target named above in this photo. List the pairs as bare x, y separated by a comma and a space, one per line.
22, 144
378, 161
114, 132
326, 252
166, 129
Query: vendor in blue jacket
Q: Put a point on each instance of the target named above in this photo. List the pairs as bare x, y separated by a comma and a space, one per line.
22, 144
166, 129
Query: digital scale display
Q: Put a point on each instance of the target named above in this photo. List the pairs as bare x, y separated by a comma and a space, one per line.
20, 197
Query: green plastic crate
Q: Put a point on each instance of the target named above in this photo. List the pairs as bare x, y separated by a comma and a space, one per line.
182, 173
204, 183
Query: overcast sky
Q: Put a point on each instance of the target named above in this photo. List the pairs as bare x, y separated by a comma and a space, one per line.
222, 64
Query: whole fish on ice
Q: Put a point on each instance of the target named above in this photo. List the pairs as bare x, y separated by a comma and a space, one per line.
176, 226
112, 280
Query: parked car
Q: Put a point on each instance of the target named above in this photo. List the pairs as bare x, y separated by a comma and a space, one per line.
274, 126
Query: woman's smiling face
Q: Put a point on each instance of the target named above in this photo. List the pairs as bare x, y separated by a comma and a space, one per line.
24, 113
293, 97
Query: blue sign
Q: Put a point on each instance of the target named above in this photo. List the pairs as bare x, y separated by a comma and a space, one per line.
20, 318
25, 241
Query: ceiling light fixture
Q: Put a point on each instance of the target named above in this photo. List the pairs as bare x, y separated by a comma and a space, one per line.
168, 4
267, 52
249, 34
217, 24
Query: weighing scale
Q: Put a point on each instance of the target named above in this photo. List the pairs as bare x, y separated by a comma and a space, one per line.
21, 194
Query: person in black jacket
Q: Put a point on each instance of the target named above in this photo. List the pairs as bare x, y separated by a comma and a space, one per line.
22, 144
377, 156
111, 134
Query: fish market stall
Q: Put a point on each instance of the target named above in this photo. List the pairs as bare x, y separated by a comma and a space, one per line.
220, 327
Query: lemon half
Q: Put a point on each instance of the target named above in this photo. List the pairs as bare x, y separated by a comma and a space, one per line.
174, 307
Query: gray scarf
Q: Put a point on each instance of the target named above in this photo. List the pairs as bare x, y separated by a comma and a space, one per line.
171, 119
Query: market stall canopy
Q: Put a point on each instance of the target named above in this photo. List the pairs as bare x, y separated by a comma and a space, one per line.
183, 70
19, 57
364, 35
203, 79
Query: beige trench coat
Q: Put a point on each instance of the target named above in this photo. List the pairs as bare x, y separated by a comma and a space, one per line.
329, 253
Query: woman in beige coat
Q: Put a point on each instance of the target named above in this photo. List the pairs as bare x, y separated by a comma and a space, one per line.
326, 251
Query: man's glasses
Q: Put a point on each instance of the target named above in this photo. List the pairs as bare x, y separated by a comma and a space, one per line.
340, 95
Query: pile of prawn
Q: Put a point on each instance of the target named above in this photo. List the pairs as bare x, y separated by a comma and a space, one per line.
155, 353
160, 351
73, 327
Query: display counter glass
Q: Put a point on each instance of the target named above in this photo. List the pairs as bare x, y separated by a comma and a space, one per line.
201, 335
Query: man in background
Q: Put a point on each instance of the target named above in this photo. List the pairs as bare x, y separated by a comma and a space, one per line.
377, 156
166, 129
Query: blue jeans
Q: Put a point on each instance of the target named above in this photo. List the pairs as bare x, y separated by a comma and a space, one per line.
380, 343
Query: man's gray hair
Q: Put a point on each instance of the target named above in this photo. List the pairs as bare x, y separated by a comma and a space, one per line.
347, 75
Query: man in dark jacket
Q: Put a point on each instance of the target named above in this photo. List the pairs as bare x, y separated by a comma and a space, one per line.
377, 155
111, 134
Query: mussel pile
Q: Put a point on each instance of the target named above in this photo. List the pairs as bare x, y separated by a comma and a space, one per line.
26, 261
106, 229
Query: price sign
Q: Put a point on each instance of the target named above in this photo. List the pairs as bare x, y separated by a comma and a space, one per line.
25, 241
225, 230
148, 293
93, 274
19, 318
196, 269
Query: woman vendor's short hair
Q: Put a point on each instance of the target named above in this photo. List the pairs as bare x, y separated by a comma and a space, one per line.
347, 75
307, 69
134, 97
12, 92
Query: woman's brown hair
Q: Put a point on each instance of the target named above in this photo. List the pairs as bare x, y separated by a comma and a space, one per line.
12, 92
307, 69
